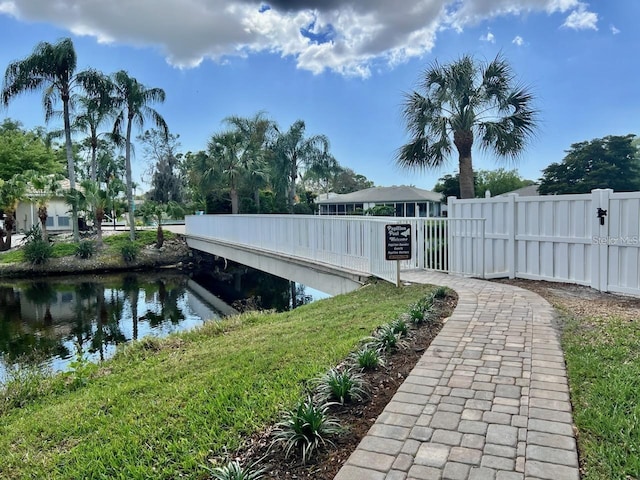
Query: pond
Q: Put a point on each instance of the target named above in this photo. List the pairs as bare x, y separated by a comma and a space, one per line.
49, 321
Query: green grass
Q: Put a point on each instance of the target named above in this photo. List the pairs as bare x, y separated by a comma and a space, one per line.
112, 242
603, 363
162, 408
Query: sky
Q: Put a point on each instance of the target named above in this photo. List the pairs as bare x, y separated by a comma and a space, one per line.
344, 66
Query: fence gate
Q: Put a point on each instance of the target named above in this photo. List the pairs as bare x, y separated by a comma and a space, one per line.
588, 239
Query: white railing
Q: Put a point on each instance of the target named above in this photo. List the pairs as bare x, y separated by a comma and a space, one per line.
352, 243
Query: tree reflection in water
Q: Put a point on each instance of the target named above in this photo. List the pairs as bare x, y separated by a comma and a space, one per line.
45, 321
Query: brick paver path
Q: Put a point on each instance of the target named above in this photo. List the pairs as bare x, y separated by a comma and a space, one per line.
488, 399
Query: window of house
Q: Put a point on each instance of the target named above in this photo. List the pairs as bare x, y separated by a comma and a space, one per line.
49, 222
64, 221
410, 210
399, 209
422, 209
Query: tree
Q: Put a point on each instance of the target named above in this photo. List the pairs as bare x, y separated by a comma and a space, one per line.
40, 189
96, 201
154, 211
294, 151
52, 68
225, 152
161, 151
97, 109
21, 151
256, 132
449, 185
495, 181
499, 181
461, 101
609, 162
131, 102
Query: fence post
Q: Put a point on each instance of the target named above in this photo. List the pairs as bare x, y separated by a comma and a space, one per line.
600, 238
451, 257
512, 225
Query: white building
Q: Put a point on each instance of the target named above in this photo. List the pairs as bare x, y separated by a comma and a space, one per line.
402, 201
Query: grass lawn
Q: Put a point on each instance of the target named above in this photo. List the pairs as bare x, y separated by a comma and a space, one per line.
603, 362
162, 408
113, 244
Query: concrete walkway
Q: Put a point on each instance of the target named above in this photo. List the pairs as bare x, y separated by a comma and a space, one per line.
487, 401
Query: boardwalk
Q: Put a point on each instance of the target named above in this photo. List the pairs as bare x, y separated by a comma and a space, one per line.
487, 401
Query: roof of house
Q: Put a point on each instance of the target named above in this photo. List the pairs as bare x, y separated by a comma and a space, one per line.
528, 191
400, 193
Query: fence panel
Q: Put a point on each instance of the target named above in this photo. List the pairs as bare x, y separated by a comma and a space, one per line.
589, 239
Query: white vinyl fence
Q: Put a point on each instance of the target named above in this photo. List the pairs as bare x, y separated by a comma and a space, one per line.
590, 239
354, 243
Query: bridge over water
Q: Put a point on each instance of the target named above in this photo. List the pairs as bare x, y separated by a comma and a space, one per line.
337, 254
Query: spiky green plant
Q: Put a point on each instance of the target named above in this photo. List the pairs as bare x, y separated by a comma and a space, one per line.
368, 358
341, 386
306, 428
234, 471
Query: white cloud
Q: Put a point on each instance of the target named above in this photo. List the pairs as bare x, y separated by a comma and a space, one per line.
518, 40
489, 37
344, 36
8, 8
614, 30
581, 19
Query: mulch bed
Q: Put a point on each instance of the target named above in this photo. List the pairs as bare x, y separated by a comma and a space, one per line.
357, 418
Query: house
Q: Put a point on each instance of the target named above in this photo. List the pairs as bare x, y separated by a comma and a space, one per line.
401, 201
59, 212
528, 191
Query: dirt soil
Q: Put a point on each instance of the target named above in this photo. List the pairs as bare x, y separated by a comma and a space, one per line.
580, 301
357, 417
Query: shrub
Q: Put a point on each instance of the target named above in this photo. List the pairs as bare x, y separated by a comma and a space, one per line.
419, 311
399, 326
85, 249
440, 292
129, 251
235, 471
368, 358
37, 251
305, 428
386, 339
341, 386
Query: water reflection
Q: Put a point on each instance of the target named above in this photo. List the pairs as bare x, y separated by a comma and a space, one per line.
46, 321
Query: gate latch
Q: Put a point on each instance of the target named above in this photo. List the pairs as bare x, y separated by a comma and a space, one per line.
601, 214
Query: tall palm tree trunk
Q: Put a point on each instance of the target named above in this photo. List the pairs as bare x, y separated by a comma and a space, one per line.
233, 193
292, 187
463, 141
130, 199
70, 163
94, 167
43, 215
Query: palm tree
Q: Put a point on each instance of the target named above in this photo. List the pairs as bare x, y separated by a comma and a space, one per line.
131, 102
52, 68
293, 151
255, 133
458, 102
225, 151
96, 110
42, 189
97, 201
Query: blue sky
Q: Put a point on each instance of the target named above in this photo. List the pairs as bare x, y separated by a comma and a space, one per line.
343, 65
